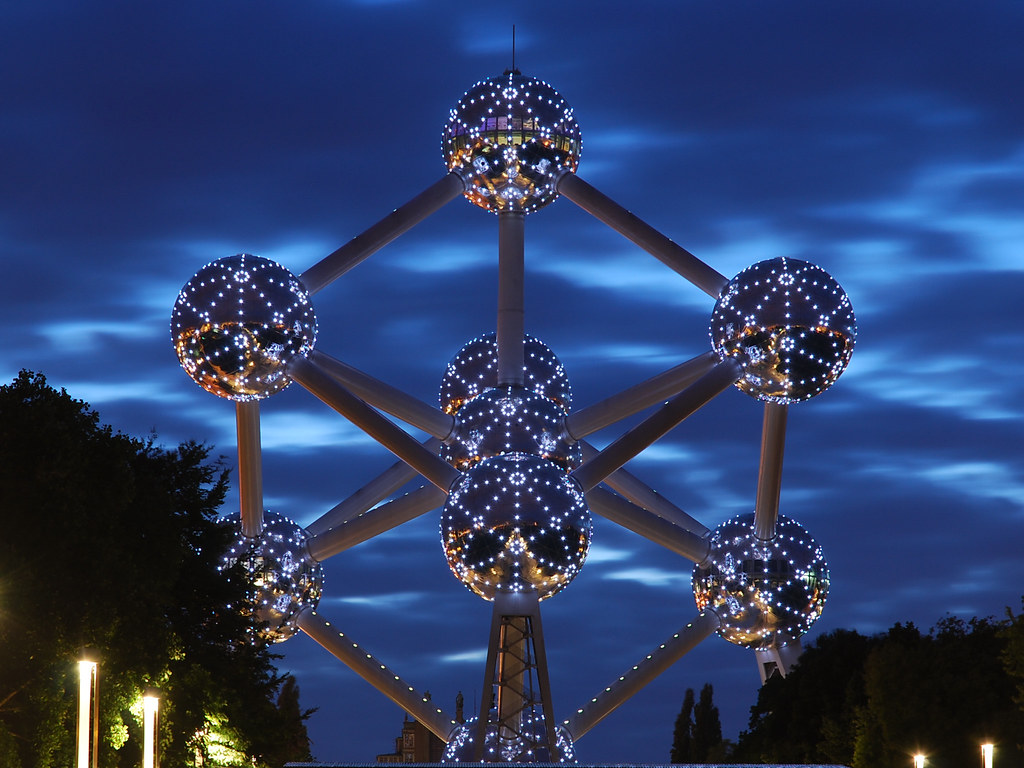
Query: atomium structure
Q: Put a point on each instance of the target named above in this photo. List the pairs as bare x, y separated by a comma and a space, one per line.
508, 467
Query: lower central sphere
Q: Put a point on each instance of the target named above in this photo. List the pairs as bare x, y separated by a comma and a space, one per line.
515, 522
504, 745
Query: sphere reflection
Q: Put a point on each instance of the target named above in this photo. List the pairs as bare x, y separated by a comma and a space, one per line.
510, 420
515, 522
474, 369
238, 323
282, 578
794, 324
507, 137
764, 593
527, 746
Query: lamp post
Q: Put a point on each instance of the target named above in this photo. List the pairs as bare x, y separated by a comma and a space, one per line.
986, 755
150, 710
918, 760
87, 740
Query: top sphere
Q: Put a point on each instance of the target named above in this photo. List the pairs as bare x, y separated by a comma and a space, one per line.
238, 323
794, 324
474, 369
507, 137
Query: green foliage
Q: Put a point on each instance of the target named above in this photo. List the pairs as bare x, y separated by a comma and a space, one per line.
113, 544
871, 702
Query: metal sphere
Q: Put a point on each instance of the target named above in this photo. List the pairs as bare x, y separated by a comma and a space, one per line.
515, 522
238, 323
794, 324
283, 579
508, 137
510, 420
528, 746
474, 369
765, 593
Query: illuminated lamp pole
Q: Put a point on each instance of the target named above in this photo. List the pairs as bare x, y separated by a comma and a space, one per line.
87, 741
918, 760
150, 711
986, 755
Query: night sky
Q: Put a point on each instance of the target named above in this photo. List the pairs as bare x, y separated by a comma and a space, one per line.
882, 141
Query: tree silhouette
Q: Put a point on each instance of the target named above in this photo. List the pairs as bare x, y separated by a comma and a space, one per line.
113, 544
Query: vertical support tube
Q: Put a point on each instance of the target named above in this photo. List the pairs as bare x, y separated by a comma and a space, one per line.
769, 476
511, 228
250, 476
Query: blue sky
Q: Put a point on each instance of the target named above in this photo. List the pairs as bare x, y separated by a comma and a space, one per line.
882, 141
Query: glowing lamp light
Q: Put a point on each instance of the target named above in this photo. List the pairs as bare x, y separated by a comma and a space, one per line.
150, 709
919, 761
986, 755
88, 714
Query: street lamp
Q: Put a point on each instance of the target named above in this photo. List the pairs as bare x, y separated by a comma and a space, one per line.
986, 755
88, 711
918, 760
150, 710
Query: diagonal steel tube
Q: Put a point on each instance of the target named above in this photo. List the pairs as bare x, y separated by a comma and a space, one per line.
603, 208
376, 521
656, 662
650, 526
635, 399
374, 492
637, 491
376, 674
769, 473
397, 222
409, 409
250, 471
313, 378
592, 472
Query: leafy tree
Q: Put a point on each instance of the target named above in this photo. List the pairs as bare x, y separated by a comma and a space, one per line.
871, 701
682, 738
698, 729
707, 727
112, 543
808, 716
